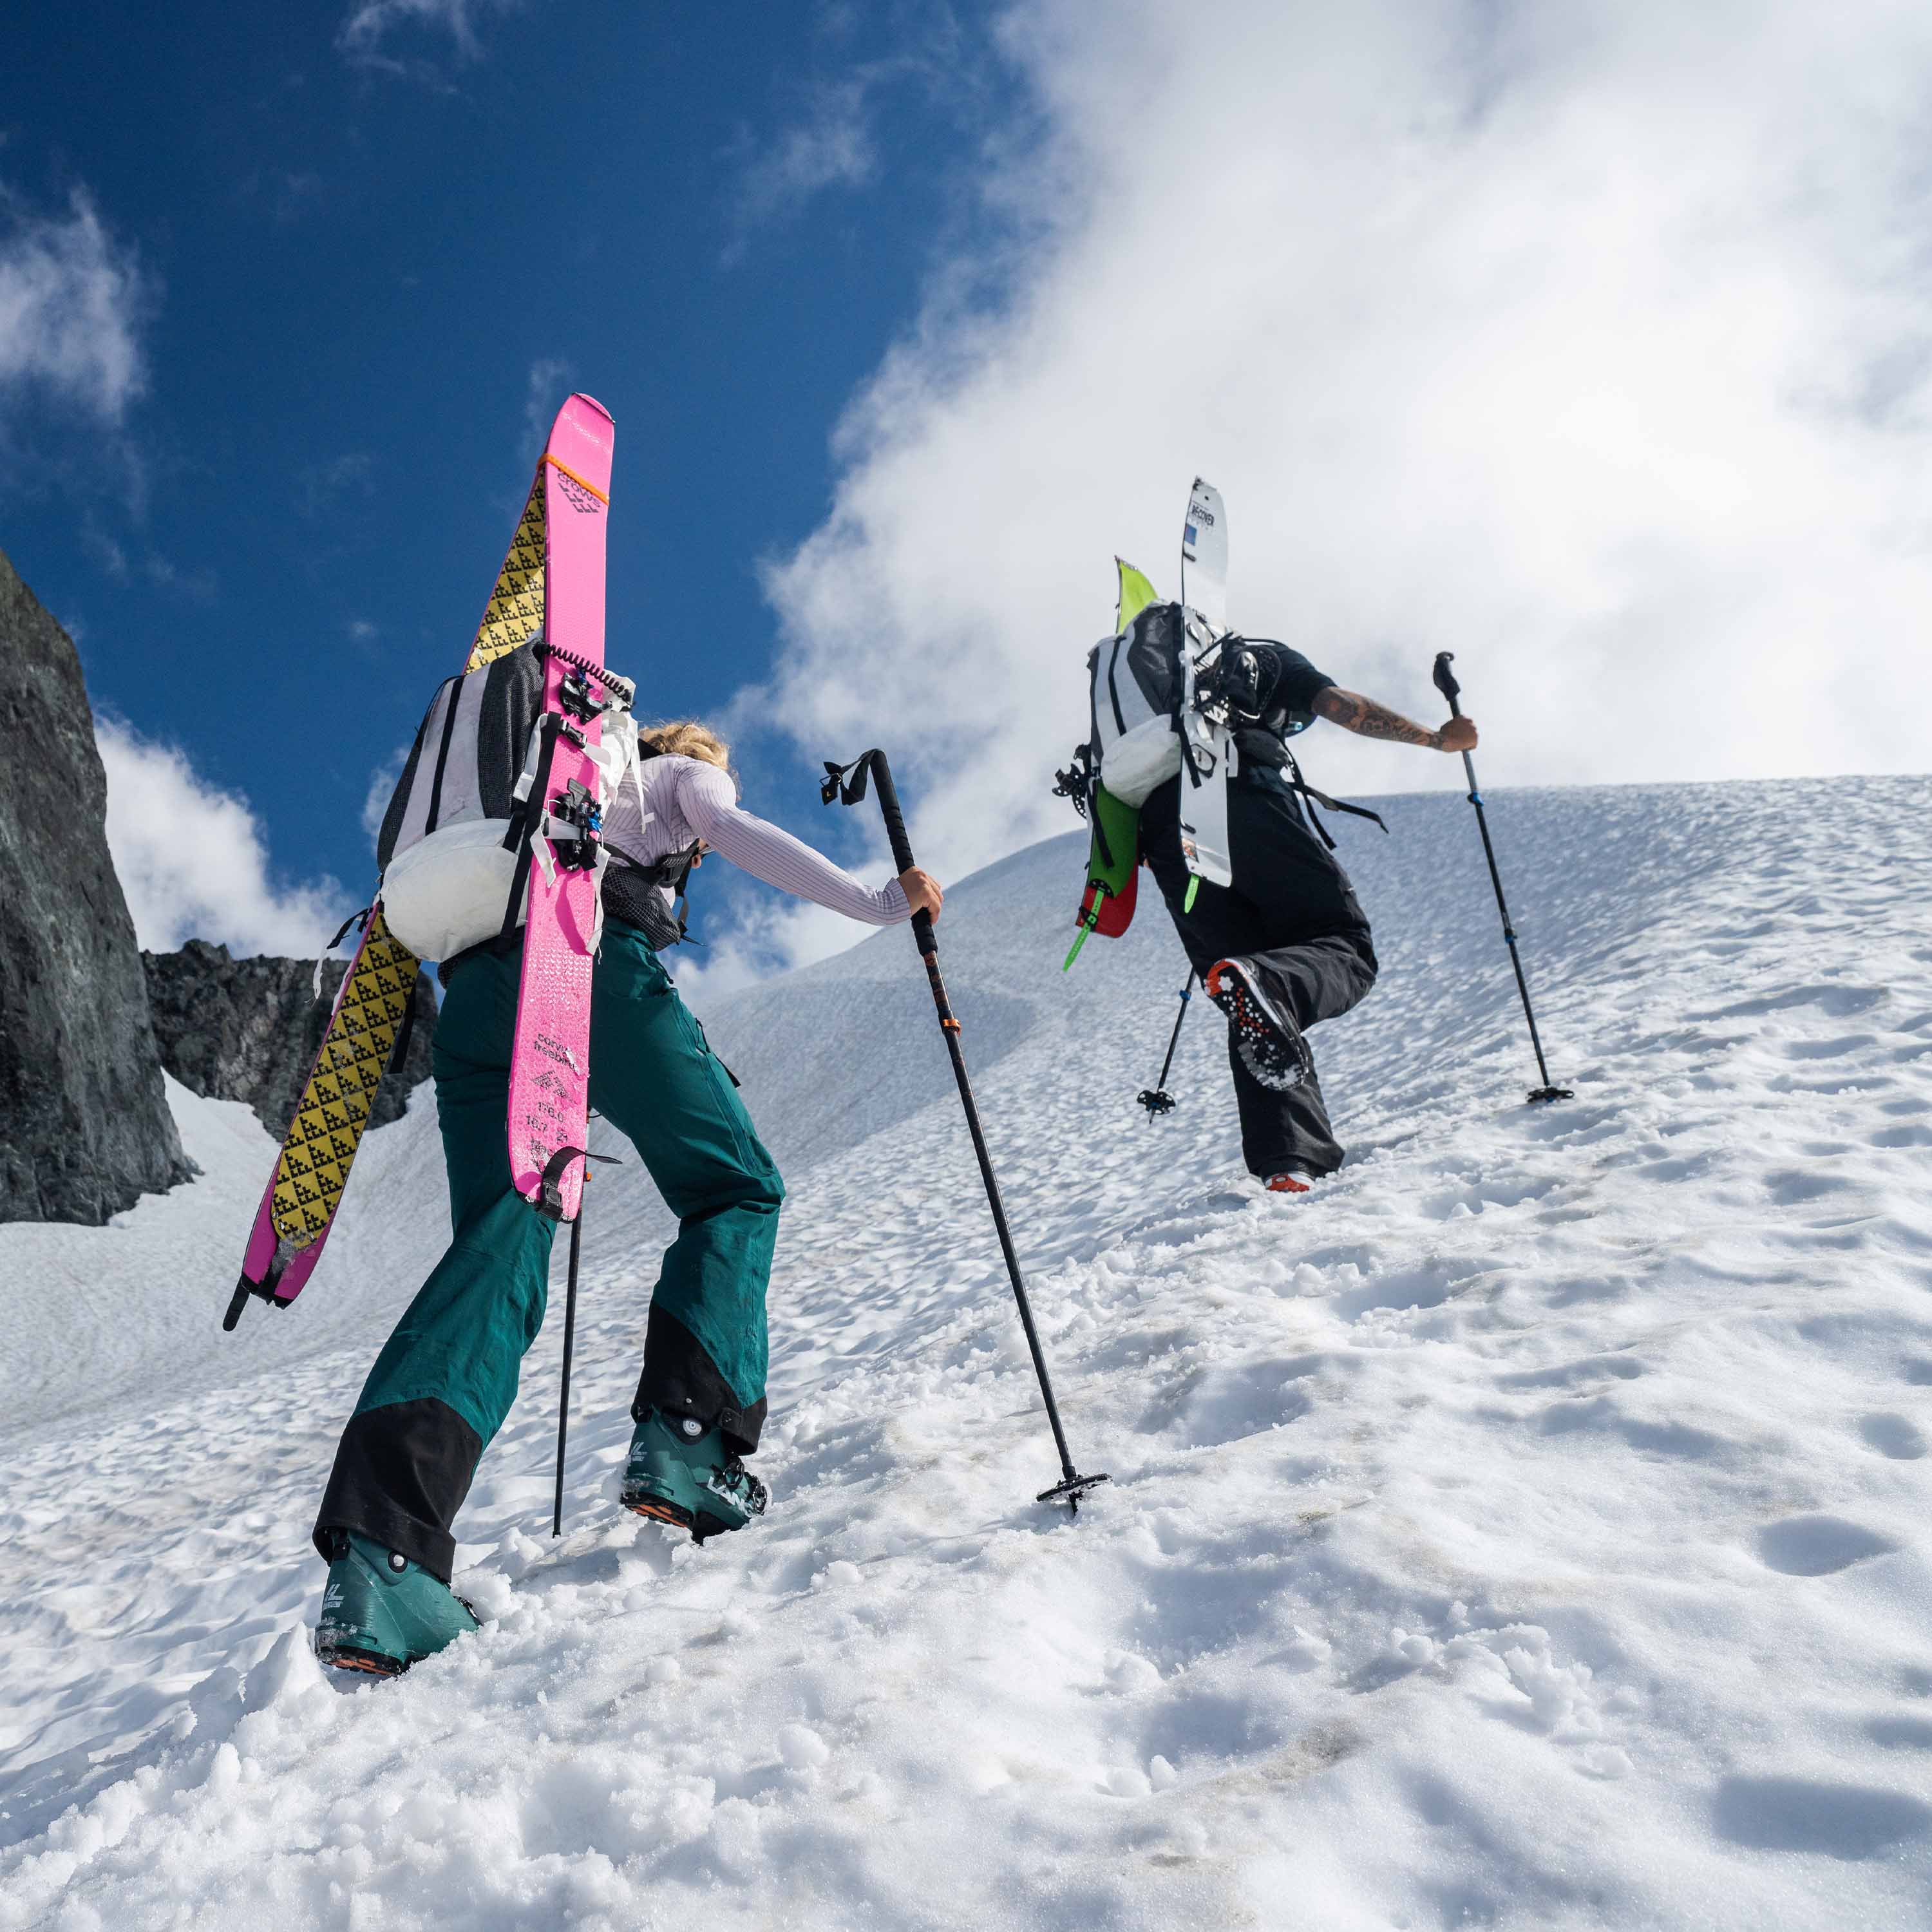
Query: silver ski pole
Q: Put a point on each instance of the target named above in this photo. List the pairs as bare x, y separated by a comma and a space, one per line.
1445, 682
848, 782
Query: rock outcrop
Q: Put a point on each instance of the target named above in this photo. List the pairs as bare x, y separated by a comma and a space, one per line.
84, 1128
248, 1029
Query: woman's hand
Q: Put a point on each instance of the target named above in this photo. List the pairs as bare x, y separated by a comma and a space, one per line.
922, 890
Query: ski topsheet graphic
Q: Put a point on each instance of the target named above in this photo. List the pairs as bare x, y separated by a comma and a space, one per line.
1208, 757
299, 1205
550, 1064
1204, 555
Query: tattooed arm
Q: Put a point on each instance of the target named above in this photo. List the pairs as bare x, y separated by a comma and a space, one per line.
1363, 715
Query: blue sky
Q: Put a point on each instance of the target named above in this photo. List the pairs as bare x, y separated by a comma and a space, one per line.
367, 254
1586, 338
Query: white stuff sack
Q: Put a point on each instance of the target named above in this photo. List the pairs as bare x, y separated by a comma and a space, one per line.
448, 892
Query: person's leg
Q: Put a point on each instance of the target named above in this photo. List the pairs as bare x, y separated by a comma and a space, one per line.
654, 1077
1290, 909
446, 1379
1275, 1134
1315, 953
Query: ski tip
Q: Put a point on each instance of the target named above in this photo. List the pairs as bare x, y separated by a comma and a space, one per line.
578, 396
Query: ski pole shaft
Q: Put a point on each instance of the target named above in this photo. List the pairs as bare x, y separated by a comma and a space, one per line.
1446, 683
1072, 1484
1157, 1099
1173, 1038
569, 1343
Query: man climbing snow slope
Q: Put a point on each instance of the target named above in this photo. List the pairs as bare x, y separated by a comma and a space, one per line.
1287, 944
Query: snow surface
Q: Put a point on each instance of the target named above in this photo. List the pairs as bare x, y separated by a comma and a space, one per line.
1529, 1528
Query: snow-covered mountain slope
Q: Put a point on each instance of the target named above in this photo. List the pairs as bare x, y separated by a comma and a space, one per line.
1529, 1528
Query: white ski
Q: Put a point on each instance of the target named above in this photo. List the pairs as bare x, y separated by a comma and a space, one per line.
1203, 555
1209, 757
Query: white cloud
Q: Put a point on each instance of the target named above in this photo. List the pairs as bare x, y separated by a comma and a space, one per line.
323, 484
365, 34
831, 147
1590, 341
544, 394
382, 789
193, 861
72, 302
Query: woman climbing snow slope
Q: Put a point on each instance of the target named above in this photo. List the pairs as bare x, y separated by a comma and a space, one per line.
445, 1381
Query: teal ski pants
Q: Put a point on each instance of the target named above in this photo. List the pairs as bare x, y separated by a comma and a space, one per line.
446, 1379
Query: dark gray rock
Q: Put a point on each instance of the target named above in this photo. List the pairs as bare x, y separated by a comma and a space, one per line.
248, 1029
85, 1129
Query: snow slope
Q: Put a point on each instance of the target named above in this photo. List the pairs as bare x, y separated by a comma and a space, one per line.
1529, 1529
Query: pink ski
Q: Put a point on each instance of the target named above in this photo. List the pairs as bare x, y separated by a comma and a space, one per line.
549, 1063
298, 1206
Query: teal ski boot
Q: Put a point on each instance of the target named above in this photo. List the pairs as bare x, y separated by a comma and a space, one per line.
381, 1613
680, 1472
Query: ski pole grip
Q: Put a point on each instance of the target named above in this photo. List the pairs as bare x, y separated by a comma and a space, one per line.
901, 845
1445, 682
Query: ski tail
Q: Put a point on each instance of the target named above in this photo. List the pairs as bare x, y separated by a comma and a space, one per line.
1136, 593
311, 1170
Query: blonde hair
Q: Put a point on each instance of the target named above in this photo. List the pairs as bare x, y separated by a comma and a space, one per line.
686, 738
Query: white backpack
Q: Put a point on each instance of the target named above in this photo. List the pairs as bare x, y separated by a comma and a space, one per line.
457, 840
1138, 688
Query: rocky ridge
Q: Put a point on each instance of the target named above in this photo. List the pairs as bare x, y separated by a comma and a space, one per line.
248, 1029
84, 1127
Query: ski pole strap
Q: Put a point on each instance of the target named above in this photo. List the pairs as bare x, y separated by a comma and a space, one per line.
847, 783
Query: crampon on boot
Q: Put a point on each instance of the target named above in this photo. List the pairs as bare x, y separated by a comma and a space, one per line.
381, 1613
1266, 1037
680, 1472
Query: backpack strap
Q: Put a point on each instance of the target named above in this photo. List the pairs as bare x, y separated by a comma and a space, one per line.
1300, 784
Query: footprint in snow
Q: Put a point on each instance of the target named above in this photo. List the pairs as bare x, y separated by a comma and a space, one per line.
1900, 1731
1803, 1814
1817, 1546
1893, 1435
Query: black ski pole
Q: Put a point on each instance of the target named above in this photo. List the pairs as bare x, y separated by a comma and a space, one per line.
569, 1342
1157, 1099
1445, 682
848, 782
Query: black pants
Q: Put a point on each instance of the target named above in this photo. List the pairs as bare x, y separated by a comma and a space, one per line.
1292, 915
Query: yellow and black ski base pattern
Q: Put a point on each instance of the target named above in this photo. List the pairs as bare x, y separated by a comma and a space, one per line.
312, 1168
334, 1109
515, 614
